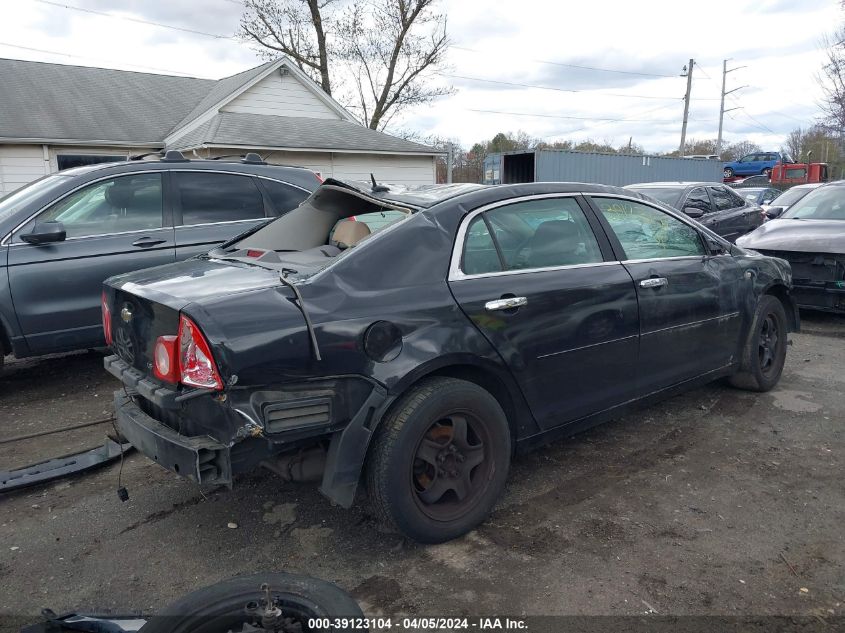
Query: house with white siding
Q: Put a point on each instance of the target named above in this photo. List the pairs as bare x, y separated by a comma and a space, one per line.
55, 116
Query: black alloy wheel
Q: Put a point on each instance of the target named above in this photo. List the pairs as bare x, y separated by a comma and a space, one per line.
769, 340
439, 460
449, 471
764, 353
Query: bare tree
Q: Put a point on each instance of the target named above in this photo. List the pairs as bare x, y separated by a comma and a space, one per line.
382, 53
795, 142
296, 28
832, 81
391, 47
735, 151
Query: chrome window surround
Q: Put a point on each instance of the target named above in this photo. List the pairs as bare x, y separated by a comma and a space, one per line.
456, 274
6, 238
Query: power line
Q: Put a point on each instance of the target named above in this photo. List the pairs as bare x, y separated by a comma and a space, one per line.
638, 114
704, 72
94, 59
557, 89
560, 116
71, 7
545, 61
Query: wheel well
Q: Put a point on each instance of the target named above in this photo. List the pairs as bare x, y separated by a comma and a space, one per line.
487, 381
782, 294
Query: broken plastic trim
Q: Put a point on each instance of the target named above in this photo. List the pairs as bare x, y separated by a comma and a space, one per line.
60, 466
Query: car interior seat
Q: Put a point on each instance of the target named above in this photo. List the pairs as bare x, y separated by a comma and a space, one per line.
555, 243
120, 198
348, 233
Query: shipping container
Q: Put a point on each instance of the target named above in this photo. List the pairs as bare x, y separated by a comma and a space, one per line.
549, 165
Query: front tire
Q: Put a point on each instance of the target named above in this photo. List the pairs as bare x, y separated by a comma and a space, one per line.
767, 172
439, 460
764, 353
729, 173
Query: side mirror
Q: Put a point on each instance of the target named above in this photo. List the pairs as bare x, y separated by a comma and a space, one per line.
774, 212
693, 212
45, 232
715, 248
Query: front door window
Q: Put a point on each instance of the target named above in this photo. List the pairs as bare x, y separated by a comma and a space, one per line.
115, 205
648, 233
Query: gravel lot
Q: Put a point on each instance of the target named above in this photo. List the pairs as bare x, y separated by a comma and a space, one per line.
698, 505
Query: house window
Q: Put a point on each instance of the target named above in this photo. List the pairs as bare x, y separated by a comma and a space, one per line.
66, 161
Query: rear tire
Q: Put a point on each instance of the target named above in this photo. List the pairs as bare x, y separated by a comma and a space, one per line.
764, 353
439, 460
221, 607
767, 172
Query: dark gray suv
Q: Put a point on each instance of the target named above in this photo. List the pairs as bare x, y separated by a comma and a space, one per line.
62, 235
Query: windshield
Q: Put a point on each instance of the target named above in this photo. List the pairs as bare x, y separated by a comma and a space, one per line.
826, 203
788, 198
10, 203
666, 195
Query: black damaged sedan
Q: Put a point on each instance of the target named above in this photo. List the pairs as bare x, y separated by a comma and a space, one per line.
416, 340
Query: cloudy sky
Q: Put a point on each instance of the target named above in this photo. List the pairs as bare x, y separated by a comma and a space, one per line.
573, 51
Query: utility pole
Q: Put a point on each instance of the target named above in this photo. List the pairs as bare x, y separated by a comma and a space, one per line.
450, 161
688, 74
722, 110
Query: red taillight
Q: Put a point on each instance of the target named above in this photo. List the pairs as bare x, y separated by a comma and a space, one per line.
196, 364
319, 177
104, 304
166, 360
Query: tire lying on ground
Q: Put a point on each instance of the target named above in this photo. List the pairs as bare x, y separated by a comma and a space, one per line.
764, 353
439, 460
239, 604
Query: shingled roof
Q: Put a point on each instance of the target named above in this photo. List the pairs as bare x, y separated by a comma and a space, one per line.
57, 103
229, 129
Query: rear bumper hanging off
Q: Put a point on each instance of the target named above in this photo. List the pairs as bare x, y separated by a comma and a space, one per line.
200, 459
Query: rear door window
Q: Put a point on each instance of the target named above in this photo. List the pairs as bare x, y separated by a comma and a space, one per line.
723, 199
207, 198
698, 199
283, 196
530, 235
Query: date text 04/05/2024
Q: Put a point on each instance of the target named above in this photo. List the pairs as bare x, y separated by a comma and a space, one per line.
418, 624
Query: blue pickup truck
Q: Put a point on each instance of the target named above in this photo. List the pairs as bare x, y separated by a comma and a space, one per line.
756, 163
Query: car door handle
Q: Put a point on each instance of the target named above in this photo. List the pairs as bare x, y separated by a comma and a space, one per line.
145, 242
654, 282
506, 303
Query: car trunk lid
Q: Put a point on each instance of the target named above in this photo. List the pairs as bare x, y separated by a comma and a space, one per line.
146, 304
